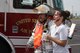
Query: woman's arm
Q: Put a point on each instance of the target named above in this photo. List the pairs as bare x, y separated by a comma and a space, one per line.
57, 41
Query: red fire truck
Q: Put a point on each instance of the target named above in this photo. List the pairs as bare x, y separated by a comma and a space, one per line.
17, 21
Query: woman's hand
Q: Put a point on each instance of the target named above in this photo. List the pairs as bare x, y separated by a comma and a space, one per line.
57, 41
48, 37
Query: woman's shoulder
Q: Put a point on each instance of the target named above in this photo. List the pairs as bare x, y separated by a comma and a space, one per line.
63, 27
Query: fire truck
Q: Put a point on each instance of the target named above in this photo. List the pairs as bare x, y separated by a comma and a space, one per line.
17, 21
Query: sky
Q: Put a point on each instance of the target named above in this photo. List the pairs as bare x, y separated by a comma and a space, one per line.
72, 5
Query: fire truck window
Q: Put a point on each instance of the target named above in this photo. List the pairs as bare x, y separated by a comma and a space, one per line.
58, 3
27, 4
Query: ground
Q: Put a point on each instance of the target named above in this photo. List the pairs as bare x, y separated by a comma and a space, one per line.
75, 41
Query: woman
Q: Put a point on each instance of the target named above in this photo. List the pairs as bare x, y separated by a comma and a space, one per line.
58, 32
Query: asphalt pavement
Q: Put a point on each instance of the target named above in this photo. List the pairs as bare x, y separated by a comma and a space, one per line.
75, 41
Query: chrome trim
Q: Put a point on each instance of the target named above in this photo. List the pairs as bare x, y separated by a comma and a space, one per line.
18, 37
5, 20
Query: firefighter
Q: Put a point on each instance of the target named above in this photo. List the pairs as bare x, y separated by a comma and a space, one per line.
37, 38
42, 10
